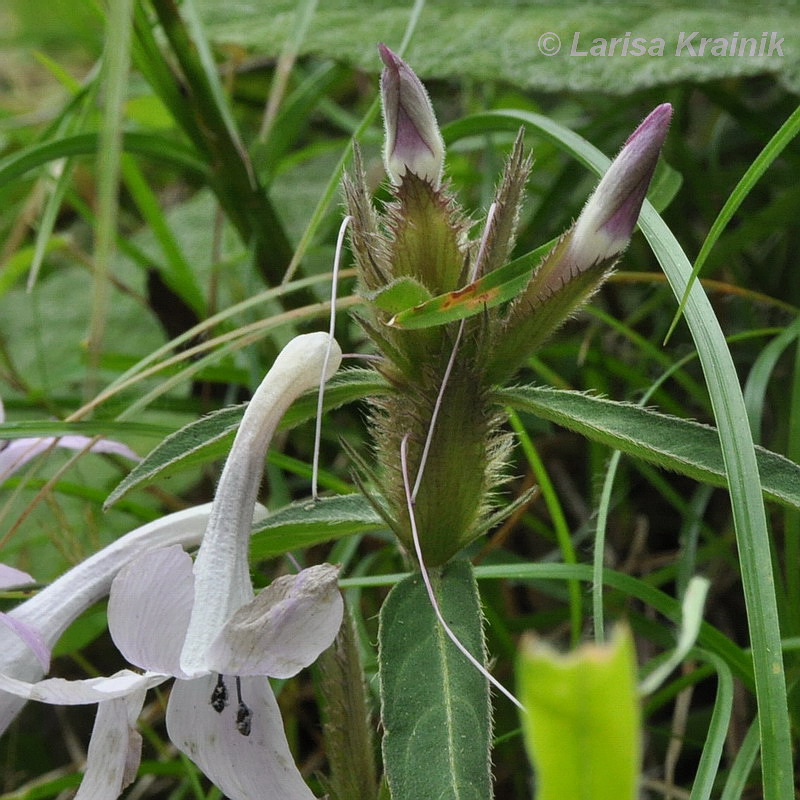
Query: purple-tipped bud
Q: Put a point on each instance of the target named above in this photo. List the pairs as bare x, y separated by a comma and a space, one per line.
413, 142
607, 221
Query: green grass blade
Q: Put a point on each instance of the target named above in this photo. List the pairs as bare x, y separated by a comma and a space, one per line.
177, 273
755, 388
738, 777
35, 428
558, 520
116, 63
61, 176
84, 144
737, 448
774, 147
708, 767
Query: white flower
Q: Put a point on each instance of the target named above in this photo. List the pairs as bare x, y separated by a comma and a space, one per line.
607, 221
192, 623
14, 454
412, 139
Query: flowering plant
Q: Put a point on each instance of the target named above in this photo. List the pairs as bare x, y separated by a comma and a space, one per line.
469, 311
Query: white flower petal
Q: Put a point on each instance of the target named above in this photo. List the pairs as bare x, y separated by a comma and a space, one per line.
149, 608
10, 577
31, 637
282, 630
77, 442
115, 749
19, 452
51, 610
58, 691
254, 767
222, 570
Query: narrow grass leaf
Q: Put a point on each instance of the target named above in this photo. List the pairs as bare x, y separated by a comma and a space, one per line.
739, 775
30, 428
152, 145
176, 271
708, 768
774, 147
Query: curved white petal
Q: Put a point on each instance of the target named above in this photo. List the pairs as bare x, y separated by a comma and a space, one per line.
19, 452
149, 608
59, 691
77, 442
115, 749
31, 637
222, 571
10, 577
51, 610
282, 630
254, 767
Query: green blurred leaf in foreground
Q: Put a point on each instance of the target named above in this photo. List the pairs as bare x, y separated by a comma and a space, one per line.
582, 722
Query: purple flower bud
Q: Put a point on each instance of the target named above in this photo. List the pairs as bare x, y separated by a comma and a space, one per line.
606, 223
412, 139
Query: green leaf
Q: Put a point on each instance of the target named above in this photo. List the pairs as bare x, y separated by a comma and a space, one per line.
400, 294
497, 287
211, 436
30, 428
673, 443
435, 704
499, 40
310, 522
147, 144
582, 726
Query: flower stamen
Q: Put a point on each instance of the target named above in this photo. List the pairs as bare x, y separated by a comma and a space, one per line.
219, 697
244, 716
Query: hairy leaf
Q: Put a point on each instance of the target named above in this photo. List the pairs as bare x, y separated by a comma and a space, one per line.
512, 41
435, 704
211, 436
310, 522
678, 444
